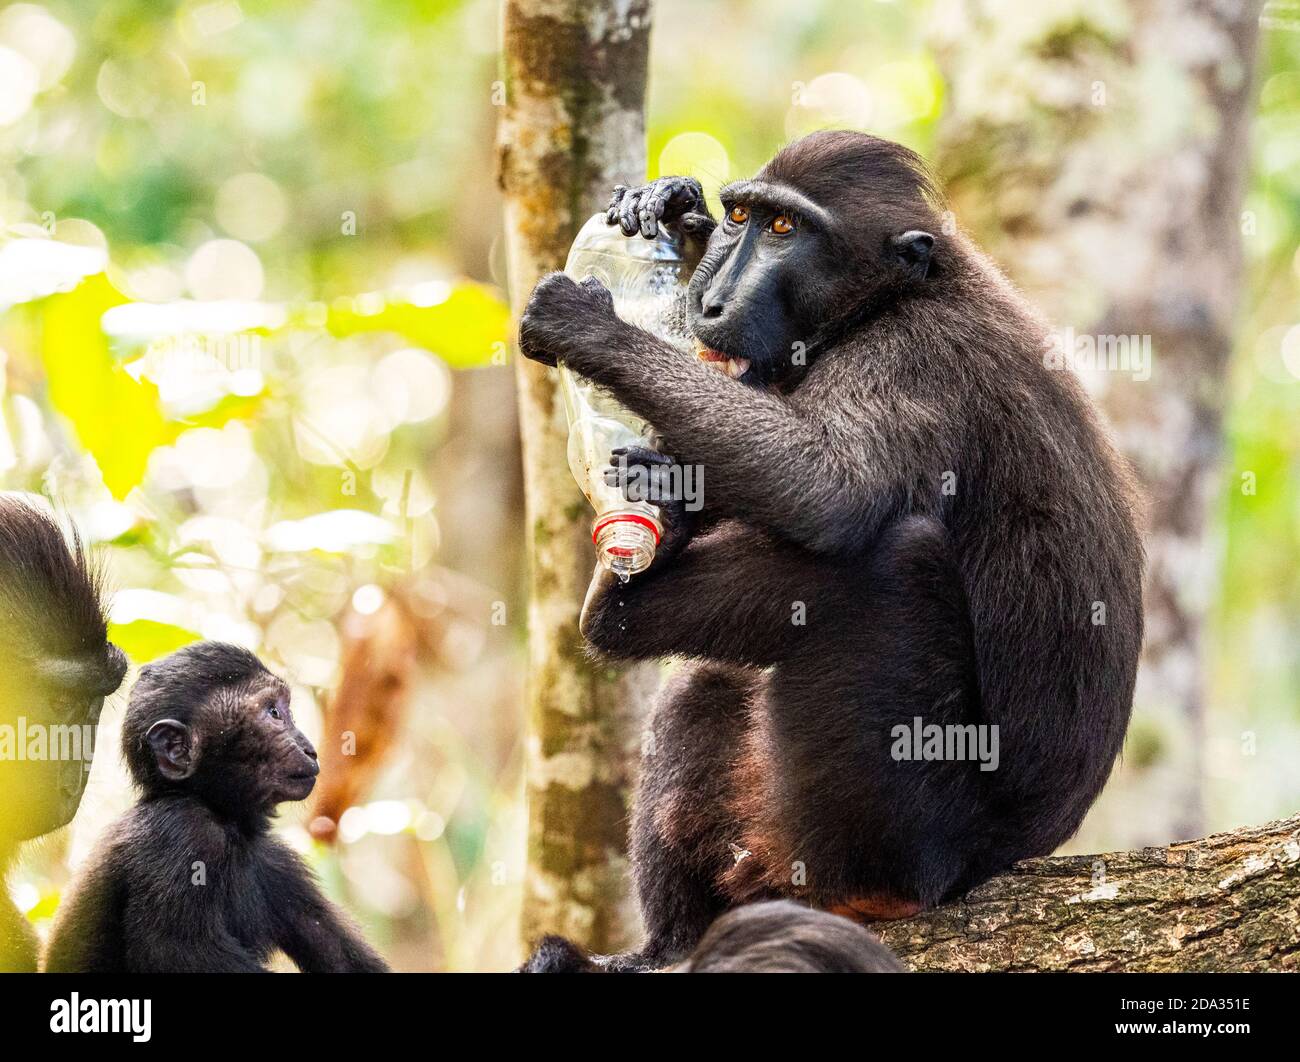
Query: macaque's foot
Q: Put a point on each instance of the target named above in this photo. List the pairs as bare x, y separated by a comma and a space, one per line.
557, 955
666, 200
565, 320
626, 962
645, 475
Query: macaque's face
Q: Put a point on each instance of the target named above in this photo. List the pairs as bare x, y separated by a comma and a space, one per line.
226, 736
748, 303
47, 740
257, 742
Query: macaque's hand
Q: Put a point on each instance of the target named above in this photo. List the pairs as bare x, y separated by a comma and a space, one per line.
668, 200
564, 321
645, 475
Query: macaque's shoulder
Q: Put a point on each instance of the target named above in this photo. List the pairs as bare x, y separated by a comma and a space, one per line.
169, 827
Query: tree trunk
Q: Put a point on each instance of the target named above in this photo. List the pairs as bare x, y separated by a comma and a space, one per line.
1230, 902
573, 127
1099, 152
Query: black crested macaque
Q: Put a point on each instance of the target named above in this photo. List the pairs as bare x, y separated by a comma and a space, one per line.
909, 520
775, 936
191, 879
58, 666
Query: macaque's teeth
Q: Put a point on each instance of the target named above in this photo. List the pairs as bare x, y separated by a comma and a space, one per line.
733, 367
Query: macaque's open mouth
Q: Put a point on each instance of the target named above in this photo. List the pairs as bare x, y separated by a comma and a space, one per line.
733, 367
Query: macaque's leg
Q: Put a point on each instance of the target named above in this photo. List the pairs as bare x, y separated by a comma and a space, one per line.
735, 595
844, 816
682, 829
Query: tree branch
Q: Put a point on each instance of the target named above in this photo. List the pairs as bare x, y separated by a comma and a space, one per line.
1228, 902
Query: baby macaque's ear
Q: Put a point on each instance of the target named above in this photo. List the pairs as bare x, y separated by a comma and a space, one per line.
912, 249
173, 749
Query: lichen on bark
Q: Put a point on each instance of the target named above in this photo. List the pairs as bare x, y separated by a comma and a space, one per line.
1228, 902
573, 126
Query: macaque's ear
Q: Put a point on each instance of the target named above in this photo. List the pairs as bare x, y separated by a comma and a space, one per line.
912, 249
173, 749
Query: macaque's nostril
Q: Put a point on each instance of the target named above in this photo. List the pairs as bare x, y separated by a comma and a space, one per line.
711, 305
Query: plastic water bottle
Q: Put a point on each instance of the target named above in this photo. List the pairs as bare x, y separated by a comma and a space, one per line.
646, 280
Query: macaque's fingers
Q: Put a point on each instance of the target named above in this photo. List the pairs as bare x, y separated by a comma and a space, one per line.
639, 455
545, 323
688, 198
650, 486
627, 211
611, 212
664, 200
597, 291
670, 199
653, 204
697, 226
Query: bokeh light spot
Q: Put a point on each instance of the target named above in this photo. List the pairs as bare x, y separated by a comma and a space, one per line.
18, 84
45, 41
834, 100
697, 155
251, 206
224, 269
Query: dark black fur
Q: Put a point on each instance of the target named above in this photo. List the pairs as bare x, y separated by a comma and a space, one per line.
884, 354
211, 744
57, 668
776, 936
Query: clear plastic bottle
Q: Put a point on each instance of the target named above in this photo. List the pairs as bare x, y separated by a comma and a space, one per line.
646, 280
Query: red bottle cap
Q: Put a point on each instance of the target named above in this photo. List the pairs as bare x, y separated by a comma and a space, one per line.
630, 518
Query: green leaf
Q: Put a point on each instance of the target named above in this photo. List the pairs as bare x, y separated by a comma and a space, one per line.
232, 407
116, 418
466, 329
143, 640
45, 907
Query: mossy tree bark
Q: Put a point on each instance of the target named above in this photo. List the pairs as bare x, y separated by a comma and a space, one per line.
573, 127
1229, 902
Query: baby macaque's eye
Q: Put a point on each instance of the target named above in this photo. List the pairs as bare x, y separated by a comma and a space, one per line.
273, 710
782, 225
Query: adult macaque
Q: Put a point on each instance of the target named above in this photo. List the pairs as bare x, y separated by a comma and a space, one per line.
908, 515
57, 668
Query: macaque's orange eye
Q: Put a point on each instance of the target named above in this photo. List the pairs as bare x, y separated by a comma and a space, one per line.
739, 215
782, 225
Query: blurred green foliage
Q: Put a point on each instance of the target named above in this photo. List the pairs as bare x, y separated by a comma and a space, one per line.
323, 174
1254, 697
